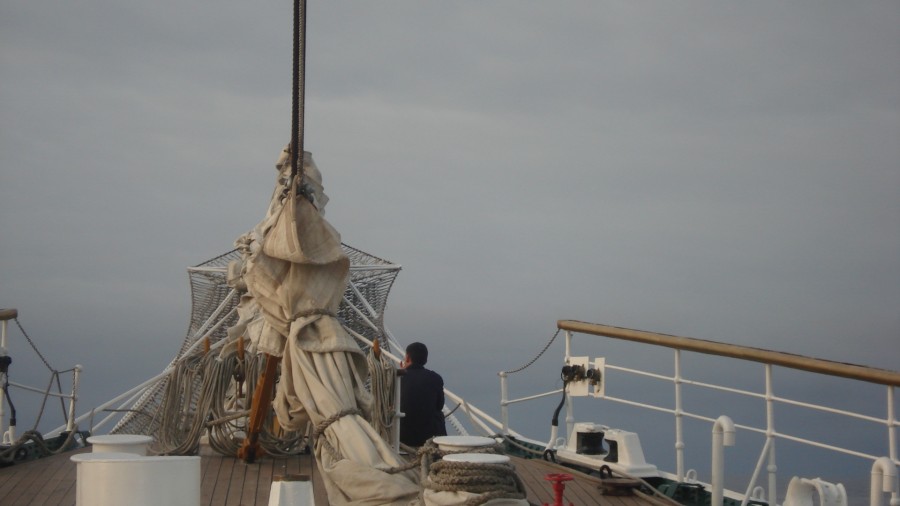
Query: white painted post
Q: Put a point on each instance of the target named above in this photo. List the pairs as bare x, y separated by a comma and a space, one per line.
570, 408
76, 373
679, 421
722, 436
772, 468
504, 399
3, 379
892, 430
395, 430
8, 436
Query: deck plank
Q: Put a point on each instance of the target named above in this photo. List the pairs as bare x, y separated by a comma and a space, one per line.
583, 490
56, 485
227, 481
208, 478
28, 479
238, 479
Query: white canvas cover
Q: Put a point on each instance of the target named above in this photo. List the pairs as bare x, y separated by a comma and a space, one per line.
296, 272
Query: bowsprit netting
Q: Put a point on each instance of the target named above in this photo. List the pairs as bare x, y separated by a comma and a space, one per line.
208, 392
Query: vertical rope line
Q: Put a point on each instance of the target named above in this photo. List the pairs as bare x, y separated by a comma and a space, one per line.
298, 89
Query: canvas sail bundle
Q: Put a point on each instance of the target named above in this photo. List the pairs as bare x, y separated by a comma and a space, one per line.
296, 272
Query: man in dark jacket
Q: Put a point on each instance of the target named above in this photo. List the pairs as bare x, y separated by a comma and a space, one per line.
421, 399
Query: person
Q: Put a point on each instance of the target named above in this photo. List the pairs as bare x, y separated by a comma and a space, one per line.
421, 399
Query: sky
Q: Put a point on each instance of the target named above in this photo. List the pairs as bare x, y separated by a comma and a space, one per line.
722, 170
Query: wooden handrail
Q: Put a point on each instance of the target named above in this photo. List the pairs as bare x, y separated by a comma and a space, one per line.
803, 363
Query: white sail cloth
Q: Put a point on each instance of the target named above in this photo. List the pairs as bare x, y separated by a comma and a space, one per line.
295, 273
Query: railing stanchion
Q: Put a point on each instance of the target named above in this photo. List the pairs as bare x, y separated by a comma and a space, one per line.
891, 422
570, 404
3, 381
76, 374
679, 421
770, 436
504, 399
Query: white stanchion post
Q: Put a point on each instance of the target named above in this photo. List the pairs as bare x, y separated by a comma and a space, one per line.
722, 436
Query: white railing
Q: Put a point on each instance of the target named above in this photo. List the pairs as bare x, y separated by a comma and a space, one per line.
8, 429
884, 466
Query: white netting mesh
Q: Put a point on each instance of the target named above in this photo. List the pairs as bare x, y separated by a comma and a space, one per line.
212, 314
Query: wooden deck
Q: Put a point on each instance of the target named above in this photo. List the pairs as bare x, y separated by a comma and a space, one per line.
228, 481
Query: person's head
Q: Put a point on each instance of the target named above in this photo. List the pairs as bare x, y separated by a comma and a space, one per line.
417, 353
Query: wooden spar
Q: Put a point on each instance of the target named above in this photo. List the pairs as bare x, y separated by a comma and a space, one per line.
259, 408
800, 362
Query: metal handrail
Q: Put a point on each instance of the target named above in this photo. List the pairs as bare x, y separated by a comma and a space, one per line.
817, 365
887, 378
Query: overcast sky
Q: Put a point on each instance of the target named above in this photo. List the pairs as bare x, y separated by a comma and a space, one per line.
722, 170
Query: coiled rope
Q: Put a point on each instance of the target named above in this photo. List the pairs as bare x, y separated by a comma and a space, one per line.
35, 441
383, 384
489, 480
202, 396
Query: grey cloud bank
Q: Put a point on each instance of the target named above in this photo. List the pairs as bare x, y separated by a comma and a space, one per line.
725, 171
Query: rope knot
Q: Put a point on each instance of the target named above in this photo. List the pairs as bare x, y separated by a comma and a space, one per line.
324, 424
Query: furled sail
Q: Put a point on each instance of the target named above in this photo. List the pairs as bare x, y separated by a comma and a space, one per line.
295, 273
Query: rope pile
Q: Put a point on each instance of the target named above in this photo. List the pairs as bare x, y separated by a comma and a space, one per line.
203, 394
490, 481
33, 441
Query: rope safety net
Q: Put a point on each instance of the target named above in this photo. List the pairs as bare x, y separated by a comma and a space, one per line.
202, 391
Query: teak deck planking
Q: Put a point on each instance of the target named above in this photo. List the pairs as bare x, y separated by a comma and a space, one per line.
226, 481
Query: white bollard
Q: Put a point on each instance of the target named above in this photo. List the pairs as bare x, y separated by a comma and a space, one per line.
120, 443
115, 479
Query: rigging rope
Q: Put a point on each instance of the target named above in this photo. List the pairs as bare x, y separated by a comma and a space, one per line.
54, 375
203, 396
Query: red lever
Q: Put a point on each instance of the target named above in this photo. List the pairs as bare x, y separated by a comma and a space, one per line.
559, 486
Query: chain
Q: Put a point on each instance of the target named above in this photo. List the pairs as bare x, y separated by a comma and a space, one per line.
546, 347
44, 360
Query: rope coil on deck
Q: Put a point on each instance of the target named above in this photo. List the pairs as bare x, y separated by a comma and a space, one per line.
489, 480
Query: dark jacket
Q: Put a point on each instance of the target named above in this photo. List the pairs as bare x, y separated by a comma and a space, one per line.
422, 400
